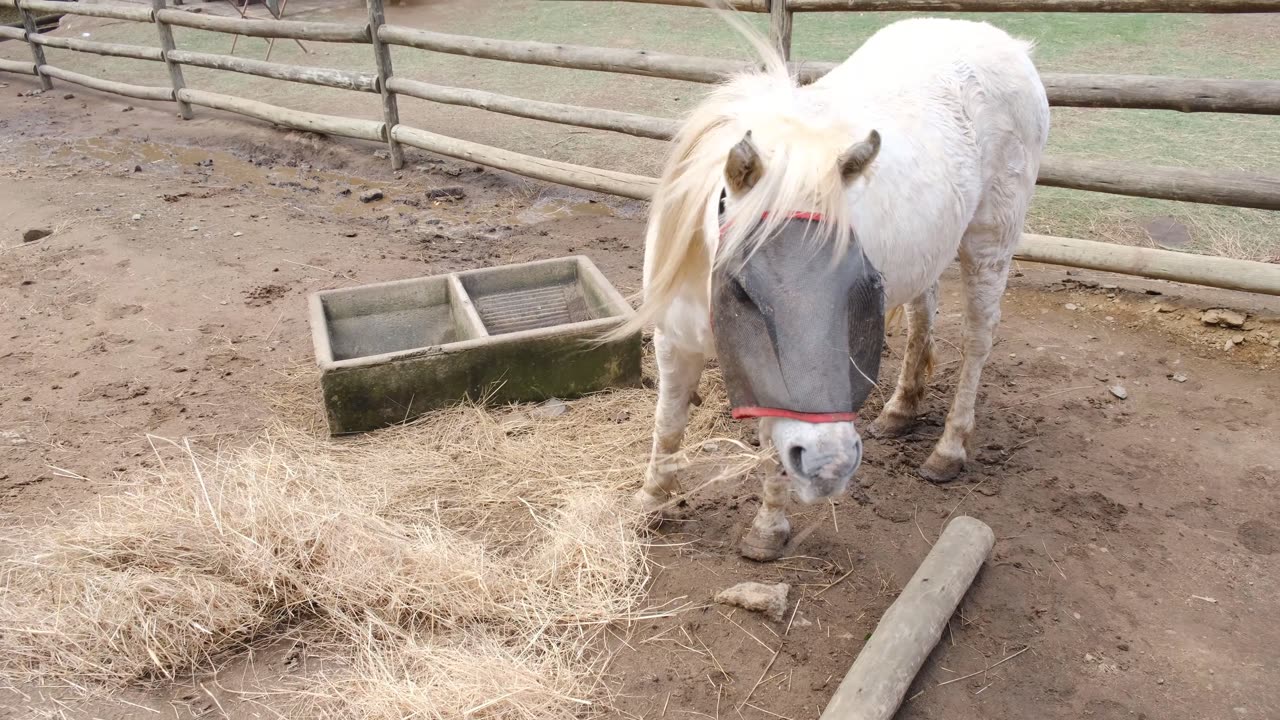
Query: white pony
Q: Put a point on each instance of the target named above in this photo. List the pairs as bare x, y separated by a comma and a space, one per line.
792, 218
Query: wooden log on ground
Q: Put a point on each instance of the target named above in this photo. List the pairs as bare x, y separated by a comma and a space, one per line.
296, 119
116, 11
138, 52
581, 57
605, 181
139, 92
382, 58
281, 29
1094, 6
13, 33
344, 79
1219, 187
1163, 93
1207, 270
21, 67
875, 686
628, 123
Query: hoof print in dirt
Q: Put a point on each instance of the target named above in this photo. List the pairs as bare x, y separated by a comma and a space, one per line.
35, 234
453, 192
768, 599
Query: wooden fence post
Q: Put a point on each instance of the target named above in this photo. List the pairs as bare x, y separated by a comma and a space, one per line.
780, 27
175, 70
37, 52
390, 110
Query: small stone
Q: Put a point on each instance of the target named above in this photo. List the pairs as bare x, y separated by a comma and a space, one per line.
1110, 287
1229, 345
369, 196
1237, 339
137, 168
137, 216
344, 192
550, 409
1071, 306
1178, 377
1160, 681
1119, 391
349, 233
1123, 647
237, 234
34, 234
1223, 318
127, 108
193, 228
767, 598
1165, 308
69, 96
453, 192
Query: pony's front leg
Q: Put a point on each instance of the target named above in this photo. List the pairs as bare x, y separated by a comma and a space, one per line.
984, 281
899, 414
770, 530
678, 373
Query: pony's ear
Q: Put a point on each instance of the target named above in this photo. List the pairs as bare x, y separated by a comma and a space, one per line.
859, 155
744, 167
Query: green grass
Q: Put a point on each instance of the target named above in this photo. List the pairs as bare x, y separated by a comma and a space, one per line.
1180, 45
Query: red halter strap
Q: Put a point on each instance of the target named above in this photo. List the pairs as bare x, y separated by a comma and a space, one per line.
797, 215
747, 413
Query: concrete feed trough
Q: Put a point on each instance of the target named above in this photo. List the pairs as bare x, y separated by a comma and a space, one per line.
517, 333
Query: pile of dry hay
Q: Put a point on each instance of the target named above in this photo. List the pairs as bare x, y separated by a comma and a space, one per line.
463, 565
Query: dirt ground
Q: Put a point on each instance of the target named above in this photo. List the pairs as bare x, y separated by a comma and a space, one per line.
1137, 568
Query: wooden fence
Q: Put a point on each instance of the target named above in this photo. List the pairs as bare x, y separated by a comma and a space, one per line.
1236, 189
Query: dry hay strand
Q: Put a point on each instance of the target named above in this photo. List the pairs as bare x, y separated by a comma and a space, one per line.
464, 564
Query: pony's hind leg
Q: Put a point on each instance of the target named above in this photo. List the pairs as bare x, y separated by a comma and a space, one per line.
899, 414
678, 373
986, 252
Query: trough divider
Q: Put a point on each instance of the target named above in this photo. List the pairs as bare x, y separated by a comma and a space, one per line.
467, 312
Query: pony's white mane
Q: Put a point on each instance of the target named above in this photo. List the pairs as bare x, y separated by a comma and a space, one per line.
799, 145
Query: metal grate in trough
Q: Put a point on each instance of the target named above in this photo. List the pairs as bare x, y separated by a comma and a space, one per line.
530, 309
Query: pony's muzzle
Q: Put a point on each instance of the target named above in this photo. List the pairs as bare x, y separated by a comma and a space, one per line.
820, 458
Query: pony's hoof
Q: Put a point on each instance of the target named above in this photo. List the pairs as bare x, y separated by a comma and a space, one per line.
764, 546
890, 426
653, 508
939, 469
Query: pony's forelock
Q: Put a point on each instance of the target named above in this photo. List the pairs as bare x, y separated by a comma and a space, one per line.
800, 174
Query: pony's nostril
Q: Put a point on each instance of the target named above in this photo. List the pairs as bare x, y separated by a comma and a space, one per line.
796, 456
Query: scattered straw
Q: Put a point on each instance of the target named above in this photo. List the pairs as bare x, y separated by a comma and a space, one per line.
465, 565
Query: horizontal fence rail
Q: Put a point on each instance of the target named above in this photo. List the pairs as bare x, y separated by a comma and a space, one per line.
22, 67
296, 119
1214, 187
114, 11
344, 79
138, 92
1036, 6
1064, 90
612, 120
279, 29
1024, 6
138, 52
